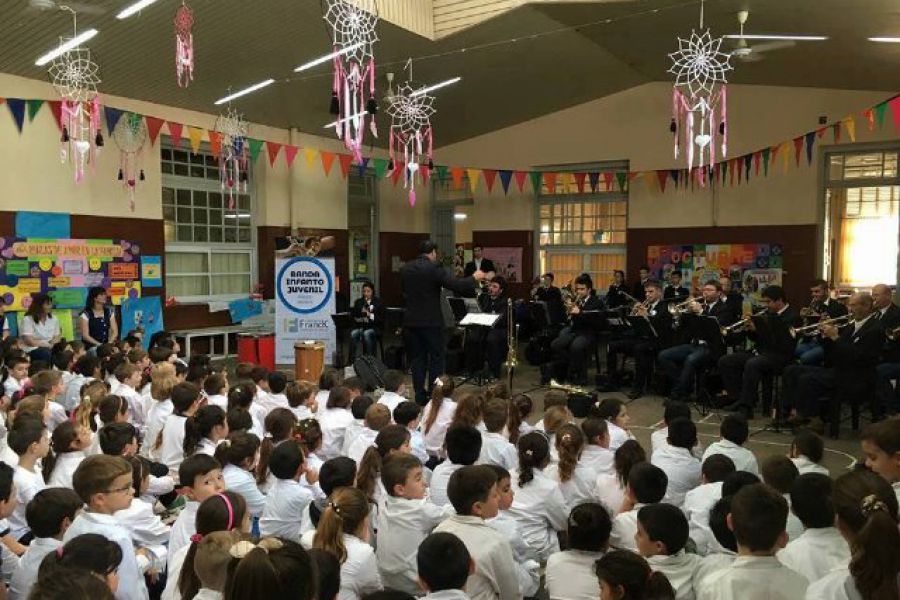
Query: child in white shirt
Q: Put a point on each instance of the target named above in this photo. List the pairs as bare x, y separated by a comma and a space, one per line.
628, 574
69, 443
238, 455
723, 551
200, 477
820, 548
463, 446
539, 506
554, 418
275, 397
444, 566
881, 445
216, 388
16, 375
807, 451
495, 448
29, 440
734, 432
211, 563
527, 569
286, 500
87, 368
597, 456
358, 407
128, 377
675, 459
205, 429
616, 414
185, 402
48, 384
673, 410
334, 420
700, 500
407, 518
407, 415
260, 377
646, 485
377, 418
436, 417
146, 528
394, 389
570, 574
662, 532
779, 472
576, 481
301, 399
611, 487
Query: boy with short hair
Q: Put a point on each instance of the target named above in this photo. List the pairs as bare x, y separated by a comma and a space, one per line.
496, 449
358, 408
260, 377
287, 498
463, 444
758, 518
334, 473
662, 533
723, 552
526, 559
129, 377
106, 485
407, 518
17, 369
407, 415
300, 395
87, 369
807, 451
394, 389
49, 385
779, 473
29, 440
377, 418
276, 397
675, 458
821, 547
444, 565
646, 485
671, 411
734, 432
597, 456
699, 500
49, 515
473, 492
200, 477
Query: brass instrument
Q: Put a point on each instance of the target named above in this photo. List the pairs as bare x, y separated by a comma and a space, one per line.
682, 307
569, 389
807, 329
568, 295
893, 334
740, 325
629, 297
645, 305
512, 341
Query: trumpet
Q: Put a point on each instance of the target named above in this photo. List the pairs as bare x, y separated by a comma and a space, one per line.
645, 305
807, 329
569, 389
682, 307
740, 325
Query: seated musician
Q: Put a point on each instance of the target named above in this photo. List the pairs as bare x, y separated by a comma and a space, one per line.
643, 278
571, 348
742, 371
493, 340
551, 295
680, 363
733, 294
851, 355
888, 369
822, 306
674, 289
643, 349
479, 263
368, 315
616, 295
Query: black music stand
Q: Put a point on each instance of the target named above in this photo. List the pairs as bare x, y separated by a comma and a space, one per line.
774, 331
707, 329
343, 323
643, 328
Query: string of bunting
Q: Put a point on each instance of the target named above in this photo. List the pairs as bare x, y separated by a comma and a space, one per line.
734, 171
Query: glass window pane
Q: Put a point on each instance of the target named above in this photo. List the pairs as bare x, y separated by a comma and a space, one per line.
210, 160
168, 195
238, 262
187, 286
244, 235
197, 171
199, 198
184, 233
200, 216
168, 213
212, 173
215, 199
183, 198
230, 284
179, 156
169, 231
215, 217
166, 154
180, 169
243, 203
186, 262
230, 234
200, 233
215, 234
184, 215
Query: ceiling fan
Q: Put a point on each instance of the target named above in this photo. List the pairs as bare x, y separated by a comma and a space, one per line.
84, 8
744, 52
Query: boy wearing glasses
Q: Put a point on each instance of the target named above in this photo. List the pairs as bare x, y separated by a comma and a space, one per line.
105, 484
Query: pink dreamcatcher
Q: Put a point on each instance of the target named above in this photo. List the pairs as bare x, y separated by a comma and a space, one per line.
184, 45
411, 111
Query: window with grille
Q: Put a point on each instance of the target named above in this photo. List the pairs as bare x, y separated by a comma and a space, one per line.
210, 236
862, 199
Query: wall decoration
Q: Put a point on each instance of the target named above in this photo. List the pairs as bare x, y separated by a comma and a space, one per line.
151, 271
145, 313
305, 288
43, 225
129, 135
507, 261
229, 143
184, 45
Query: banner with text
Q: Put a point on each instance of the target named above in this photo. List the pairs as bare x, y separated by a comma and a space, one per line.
305, 300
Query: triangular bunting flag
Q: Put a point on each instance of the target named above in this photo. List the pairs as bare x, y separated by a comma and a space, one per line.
457, 174
850, 124
56, 109
112, 117
594, 180
290, 153
33, 107
255, 147
310, 155
272, 150
607, 180
810, 140
425, 172
505, 178
195, 134
579, 182
380, 167
17, 110
675, 174
175, 130
328, 161
490, 175
880, 112
399, 168
363, 165
767, 153
473, 179
621, 179
798, 147
820, 132
535, 177
550, 181
757, 158
345, 160
869, 115
748, 160
215, 142
662, 177
154, 126
442, 172
785, 150
895, 111
836, 132
520, 180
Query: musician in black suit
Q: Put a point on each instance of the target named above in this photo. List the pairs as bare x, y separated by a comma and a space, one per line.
615, 296
680, 363
643, 278
733, 295
490, 342
368, 316
570, 350
810, 351
422, 280
851, 356
674, 289
551, 295
888, 369
478, 263
742, 371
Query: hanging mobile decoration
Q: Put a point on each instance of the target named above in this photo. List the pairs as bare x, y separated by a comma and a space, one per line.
353, 25
76, 77
699, 94
129, 135
411, 111
184, 45
233, 174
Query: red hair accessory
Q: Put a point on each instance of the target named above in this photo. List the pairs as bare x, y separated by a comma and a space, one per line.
59, 552
196, 538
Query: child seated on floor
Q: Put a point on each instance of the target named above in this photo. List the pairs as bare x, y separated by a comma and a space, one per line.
646, 485
699, 500
779, 473
495, 448
807, 451
444, 566
463, 445
570, 573
527, 569
662, 532
734, 432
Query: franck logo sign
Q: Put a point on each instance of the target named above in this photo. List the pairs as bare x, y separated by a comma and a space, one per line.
304, 285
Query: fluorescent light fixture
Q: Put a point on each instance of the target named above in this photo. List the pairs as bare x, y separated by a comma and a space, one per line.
137, 6
327, 57
245, 91
885, 40
344, 120
66, 46
763, 36
237, 216
436, 86
460, 216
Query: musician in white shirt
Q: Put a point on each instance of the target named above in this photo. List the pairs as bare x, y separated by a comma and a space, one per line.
287, 499
570, 573
662, 532
734, 432
698, 502
675, 459
646, 485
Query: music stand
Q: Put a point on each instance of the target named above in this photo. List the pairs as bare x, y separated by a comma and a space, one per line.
774, 331
343, 322
642, 327
707, 329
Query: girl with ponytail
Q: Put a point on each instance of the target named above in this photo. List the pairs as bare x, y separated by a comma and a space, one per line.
866, 510
625, 575
576, 480
91, 394
90, 552
519, 408
238, 455
204, 430
270, 568
470, 412
390, 440
280, 424
68, 445
539, 507
436, 418
344, 532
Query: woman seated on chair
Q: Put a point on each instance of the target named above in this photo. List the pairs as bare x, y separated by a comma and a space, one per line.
368, 315
39, 329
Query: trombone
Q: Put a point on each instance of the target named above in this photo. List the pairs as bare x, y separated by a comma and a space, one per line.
682, 307
808, 329
512, 340
741, 325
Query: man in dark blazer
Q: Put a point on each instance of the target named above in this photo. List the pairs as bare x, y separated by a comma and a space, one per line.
742, 371
888, 369
571, 349
422, 280
479, 263
674, 290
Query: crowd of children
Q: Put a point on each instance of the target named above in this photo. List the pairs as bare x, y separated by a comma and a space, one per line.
135, 474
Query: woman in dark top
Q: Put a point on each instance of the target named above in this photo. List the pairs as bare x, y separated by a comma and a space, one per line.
97, 321
614, 297
368, 314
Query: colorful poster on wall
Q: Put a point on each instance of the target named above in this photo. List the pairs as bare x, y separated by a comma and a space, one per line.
145, 313
65, 268
151, 271
507, 261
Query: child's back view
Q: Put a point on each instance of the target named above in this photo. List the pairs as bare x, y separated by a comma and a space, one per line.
734, 432
646, 485
661, 537
463, 445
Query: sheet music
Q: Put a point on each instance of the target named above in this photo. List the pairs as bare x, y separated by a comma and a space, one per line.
483, 319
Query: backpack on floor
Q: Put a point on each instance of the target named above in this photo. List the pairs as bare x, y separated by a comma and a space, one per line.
370, 370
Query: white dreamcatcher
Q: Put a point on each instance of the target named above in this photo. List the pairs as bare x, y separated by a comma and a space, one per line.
411, 110
184, 45
699, 97
76, 77
353, 24
129, 135
233, 175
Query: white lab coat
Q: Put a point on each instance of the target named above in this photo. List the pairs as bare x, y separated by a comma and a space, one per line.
753, 578
176, 562
135, 405
617, 435
495, 573
272, 401
131, 579
66, 463
25, 573
258, 419
56, 417
219, 400
660, 439
580, 488
206, 446
528, 571
696, 506
351, 434
334, 423
570, 575
610, 492
365, 439
434, 438
182, 529
171, 452
679, 569
743, 459
28, 484
71, 397
437, 490
285, 505
540, 509
156, 419
623, 529
836, 585
804, 465
711, 563
147, 531
392, 400
794, 527
681, 467
816, 552
403, 524
599, 459
359, 572
242, 481
496, 450
417, 445
447, 595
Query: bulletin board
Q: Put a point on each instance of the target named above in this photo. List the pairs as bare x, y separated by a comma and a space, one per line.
66, 268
